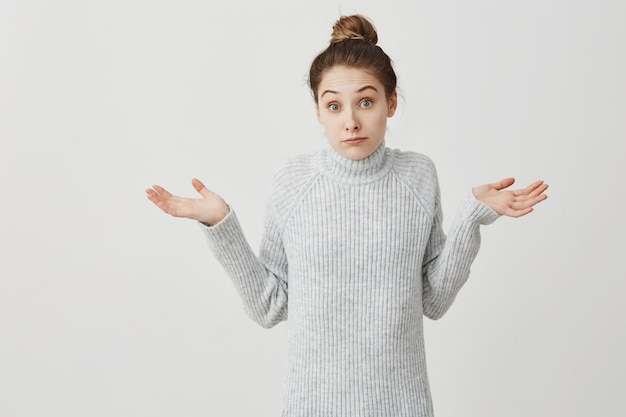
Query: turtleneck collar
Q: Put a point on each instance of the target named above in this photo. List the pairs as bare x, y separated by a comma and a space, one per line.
351, 171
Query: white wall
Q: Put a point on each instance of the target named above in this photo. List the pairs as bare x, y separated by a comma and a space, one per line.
110, 308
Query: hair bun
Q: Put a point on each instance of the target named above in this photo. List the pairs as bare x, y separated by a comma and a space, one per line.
354, 27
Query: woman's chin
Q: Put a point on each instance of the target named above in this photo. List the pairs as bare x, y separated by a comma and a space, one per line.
358, 150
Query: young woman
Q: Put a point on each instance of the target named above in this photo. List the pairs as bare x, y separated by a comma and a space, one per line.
353, 251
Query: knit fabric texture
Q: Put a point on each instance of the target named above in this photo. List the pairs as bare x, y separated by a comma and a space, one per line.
355, 255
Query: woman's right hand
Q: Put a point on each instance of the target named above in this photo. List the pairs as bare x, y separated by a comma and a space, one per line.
209, 209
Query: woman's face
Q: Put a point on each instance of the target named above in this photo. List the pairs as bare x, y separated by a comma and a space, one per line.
353, 108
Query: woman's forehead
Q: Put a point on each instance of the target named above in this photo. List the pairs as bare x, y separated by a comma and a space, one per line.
345, 79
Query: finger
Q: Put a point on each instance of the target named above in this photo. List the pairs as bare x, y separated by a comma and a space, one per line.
520, 213
161, 190
160, 202
525, 203
533, 195
539, 190
529, 189
152, 195
502, 184
539, 199
199, 186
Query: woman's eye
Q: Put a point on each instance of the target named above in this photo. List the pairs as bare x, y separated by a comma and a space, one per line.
366, 103
333, 107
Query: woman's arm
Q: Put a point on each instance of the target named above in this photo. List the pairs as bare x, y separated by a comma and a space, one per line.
261, 282
447, 260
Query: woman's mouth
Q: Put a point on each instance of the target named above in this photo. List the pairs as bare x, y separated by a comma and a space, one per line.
354, 140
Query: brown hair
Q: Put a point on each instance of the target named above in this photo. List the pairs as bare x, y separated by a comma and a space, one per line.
353, 44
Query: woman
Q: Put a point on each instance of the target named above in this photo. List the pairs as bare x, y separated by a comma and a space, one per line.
353, 251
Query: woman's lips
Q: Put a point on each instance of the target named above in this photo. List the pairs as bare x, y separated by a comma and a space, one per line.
354, 141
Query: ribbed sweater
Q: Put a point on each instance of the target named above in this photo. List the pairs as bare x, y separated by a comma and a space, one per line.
354, 254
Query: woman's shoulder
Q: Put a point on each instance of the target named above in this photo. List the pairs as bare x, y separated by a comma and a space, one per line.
414, 166
292, 177
299, 168
297, 165
417, 172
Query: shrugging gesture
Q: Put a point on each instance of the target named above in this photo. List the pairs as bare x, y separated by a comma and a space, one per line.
364, 256
512, 203
209, 209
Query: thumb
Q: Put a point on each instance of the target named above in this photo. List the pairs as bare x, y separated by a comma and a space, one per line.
197, 184
502, 184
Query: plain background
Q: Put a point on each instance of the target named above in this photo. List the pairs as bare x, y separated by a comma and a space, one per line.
109, 307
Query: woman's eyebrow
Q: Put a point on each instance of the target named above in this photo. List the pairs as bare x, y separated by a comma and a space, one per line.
367, 87
360, 90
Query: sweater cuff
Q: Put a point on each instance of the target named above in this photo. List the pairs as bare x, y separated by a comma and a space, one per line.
476, 211
224, 233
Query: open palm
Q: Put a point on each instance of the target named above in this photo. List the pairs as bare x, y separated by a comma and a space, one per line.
209, 209
513, 203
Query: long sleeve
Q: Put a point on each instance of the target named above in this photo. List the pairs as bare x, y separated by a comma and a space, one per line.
261, 281
447, 261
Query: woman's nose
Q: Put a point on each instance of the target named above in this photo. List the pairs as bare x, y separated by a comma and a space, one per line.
352, 124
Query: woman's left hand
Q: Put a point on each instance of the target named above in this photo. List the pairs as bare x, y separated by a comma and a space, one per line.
512, 203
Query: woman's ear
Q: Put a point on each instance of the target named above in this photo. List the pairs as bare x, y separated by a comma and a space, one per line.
392, 102
317, 112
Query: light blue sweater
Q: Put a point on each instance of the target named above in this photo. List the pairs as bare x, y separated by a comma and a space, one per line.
354, 254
